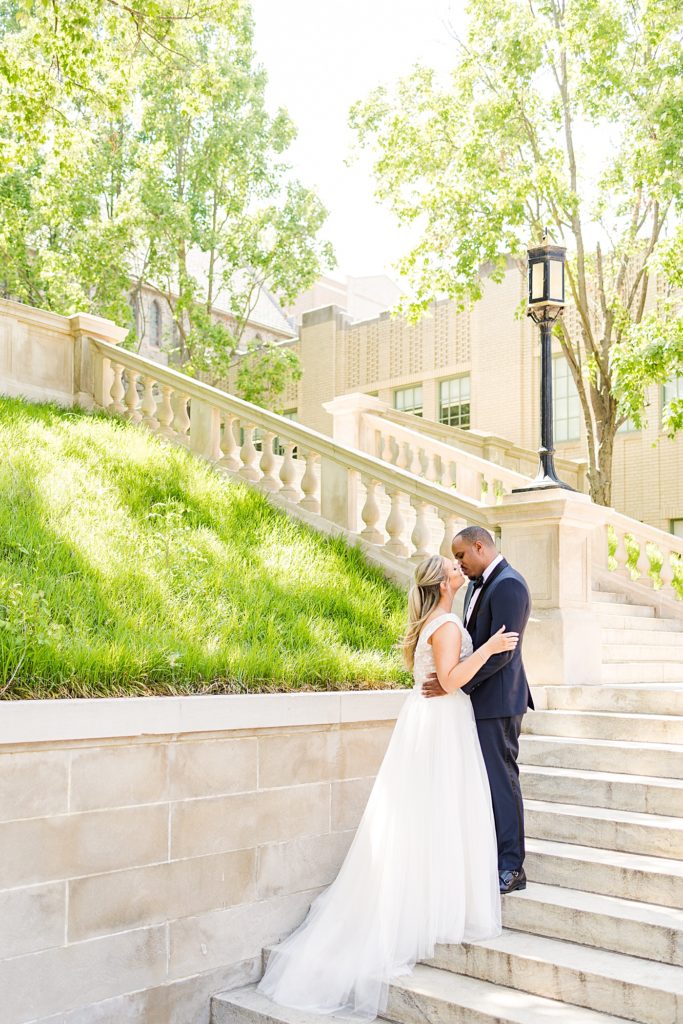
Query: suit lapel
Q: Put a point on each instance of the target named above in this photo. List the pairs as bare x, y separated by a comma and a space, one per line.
475, 611
468, 598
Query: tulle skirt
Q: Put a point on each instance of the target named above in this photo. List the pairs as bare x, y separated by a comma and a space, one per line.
422, 869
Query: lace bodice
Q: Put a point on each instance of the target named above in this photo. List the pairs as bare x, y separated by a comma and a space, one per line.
424, 656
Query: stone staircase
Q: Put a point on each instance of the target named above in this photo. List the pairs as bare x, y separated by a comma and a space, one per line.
597, 936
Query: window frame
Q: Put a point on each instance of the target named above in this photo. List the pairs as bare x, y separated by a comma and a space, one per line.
462, 401
414, 410
568, 393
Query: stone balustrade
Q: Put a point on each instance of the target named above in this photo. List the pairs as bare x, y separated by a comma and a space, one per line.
644, 555
379, 503
487, 446
470, 476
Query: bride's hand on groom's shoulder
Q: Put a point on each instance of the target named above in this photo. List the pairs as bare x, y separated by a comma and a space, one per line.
432, 687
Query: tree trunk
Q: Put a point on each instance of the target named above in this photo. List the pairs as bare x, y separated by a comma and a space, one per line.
600, 477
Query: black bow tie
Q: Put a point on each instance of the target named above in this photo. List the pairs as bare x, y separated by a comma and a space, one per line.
477, 581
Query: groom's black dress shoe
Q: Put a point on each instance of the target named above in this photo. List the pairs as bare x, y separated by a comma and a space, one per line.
511, 880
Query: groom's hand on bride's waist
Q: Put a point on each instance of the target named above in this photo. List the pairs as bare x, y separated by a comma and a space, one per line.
432, 687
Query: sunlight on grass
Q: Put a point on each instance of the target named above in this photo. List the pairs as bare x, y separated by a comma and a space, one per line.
127, 566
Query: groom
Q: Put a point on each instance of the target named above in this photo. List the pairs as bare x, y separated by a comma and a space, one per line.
496, 596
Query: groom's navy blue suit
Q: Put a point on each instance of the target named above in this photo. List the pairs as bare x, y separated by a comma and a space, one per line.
500, 696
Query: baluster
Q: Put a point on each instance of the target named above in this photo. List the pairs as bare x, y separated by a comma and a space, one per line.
371, 513
117, 390
229, 446
666, 573
149, 405
621, 554
181, 421
269, 480
451, 476
387, 449
288, 473
309, 485
165, 411
395, 526
248, 454
451, 524
643, 566
422, 535
403, 460
432, 474
132, 398
416, 462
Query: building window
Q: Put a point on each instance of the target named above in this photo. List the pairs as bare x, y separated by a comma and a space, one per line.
677, 527
566, 406
627, 427
454, 402
155, 324
409, 400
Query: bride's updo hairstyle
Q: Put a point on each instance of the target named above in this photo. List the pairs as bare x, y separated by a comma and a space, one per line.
423, 598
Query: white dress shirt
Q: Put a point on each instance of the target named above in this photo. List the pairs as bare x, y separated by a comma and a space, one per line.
486, 573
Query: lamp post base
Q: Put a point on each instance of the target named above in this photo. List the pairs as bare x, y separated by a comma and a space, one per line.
545, 483
546, 476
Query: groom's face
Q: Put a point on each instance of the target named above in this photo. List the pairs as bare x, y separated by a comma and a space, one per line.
472, 558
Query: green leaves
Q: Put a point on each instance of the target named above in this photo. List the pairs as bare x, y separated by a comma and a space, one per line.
135, 141
558, 113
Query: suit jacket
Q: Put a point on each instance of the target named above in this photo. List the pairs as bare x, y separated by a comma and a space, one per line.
500, 688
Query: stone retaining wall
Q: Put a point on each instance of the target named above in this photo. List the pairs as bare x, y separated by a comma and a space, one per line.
149, 848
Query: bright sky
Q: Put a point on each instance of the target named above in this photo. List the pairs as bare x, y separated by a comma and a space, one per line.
321, 57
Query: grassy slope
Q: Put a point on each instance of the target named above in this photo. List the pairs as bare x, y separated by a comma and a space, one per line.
129, 567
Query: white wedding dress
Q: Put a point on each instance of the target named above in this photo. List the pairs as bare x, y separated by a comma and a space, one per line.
422, 868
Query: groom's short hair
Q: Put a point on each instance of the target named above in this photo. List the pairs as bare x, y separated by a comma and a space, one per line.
474, 534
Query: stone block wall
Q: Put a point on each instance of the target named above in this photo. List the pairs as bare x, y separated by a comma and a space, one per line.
145, 866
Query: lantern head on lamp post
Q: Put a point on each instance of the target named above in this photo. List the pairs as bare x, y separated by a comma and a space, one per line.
546, 304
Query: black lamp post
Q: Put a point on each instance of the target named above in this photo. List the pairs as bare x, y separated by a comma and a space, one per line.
546, 303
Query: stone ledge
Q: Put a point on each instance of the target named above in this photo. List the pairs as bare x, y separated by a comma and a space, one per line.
40, 721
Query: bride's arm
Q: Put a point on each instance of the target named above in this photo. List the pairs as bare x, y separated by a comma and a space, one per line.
447, 644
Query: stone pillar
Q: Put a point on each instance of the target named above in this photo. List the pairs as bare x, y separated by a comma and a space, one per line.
346, 414
321, 351
339, 487
205, 430
554, 538
92, 376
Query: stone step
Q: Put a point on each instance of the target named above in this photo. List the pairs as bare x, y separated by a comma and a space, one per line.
630, 876
643, 793
607, 601
612, 617
425, 996
659, 760
606, 922
642, 672
606, 725
643, 699
615, 608
624, 652
627, 986
627, 831
247, 1006
653, 639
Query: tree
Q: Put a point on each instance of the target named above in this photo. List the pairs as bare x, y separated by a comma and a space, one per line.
558, 113
135, 140
224, 218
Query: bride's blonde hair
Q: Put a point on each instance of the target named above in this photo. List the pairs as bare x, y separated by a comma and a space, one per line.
422, 600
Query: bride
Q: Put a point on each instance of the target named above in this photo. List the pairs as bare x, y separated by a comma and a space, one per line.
422, 868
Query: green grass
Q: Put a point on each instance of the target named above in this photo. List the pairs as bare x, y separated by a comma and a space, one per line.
129, 567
